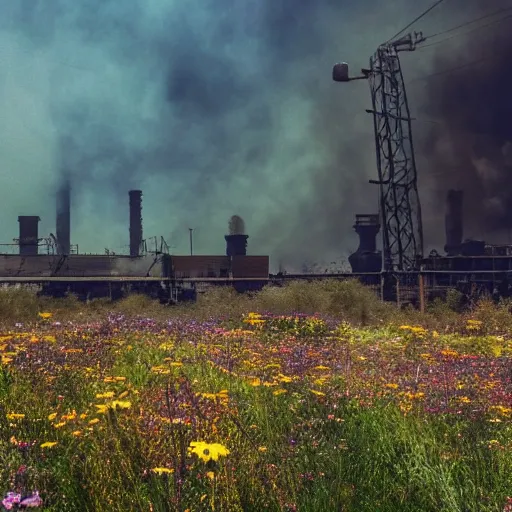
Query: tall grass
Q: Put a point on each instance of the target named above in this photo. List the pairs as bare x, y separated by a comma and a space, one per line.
342, 300
349, 448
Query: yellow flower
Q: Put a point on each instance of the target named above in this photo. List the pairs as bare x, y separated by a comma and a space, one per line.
392, 385
317, 393
69, 417
94, 421
120, 404
160, 370
52, 416
160, 471
210, 475
208, 451
49, 444
262, 449
108, 394
77, 433
15, 416
500, 409
279, 391
102, 408
45, 316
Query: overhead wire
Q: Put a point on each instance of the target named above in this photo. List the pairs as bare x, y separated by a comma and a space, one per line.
470, 63
424, 13
476, 20
501, 20
457, 68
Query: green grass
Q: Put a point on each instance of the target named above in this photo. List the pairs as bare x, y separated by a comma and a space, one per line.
354, 409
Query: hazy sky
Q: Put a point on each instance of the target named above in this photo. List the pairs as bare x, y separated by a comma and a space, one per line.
212, 108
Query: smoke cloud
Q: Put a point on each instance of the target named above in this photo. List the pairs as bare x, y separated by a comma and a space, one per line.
221, 107
469, 144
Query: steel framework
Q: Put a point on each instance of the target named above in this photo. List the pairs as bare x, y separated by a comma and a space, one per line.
400, 209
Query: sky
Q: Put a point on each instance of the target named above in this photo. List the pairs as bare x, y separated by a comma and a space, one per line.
216, 108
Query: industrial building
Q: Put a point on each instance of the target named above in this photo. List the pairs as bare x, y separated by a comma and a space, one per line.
60, 268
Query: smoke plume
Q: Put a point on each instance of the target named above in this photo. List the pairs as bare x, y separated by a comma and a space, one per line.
469, 144
218, 106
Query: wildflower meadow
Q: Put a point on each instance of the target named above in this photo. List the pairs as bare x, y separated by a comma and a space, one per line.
307, 398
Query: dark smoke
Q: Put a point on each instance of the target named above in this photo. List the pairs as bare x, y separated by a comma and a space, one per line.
470, 145
208, 106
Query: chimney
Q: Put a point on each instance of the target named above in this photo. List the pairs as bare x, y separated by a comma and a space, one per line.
366, 258
64, 218
453, 222
367, 227
236, 241
236, 245
29, 234
135, 222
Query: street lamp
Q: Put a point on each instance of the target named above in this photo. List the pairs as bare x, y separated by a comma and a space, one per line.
340, 73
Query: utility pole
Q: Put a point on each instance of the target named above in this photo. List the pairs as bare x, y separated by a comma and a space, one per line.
190, 230
399, 204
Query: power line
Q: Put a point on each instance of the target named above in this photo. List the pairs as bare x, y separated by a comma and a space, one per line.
462, 25
424, 13
457, 68
501, 20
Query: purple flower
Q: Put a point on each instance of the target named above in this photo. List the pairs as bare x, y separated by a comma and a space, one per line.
10, 500
32, 501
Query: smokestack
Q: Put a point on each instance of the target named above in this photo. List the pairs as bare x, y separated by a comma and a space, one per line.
367, 227
236, 241
135, 222
453, 222
236, 245
29, 234
366, 258
64, 218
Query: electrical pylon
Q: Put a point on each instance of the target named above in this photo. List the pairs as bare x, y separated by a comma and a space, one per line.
400, 209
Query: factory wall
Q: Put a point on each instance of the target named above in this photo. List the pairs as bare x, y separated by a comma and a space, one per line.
250, 266
200, 266
12, 265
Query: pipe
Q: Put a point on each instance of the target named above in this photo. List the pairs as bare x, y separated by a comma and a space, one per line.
135, 222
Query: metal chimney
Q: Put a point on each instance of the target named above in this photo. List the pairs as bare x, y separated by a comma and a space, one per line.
236, 245
453, 222
29, 234
64, 218
135, 222
366, 258
236, 241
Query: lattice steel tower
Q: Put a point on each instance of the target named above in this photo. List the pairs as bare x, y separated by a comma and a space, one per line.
400, 210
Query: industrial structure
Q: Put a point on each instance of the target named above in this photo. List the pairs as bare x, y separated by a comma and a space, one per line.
59, 269
468, 265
